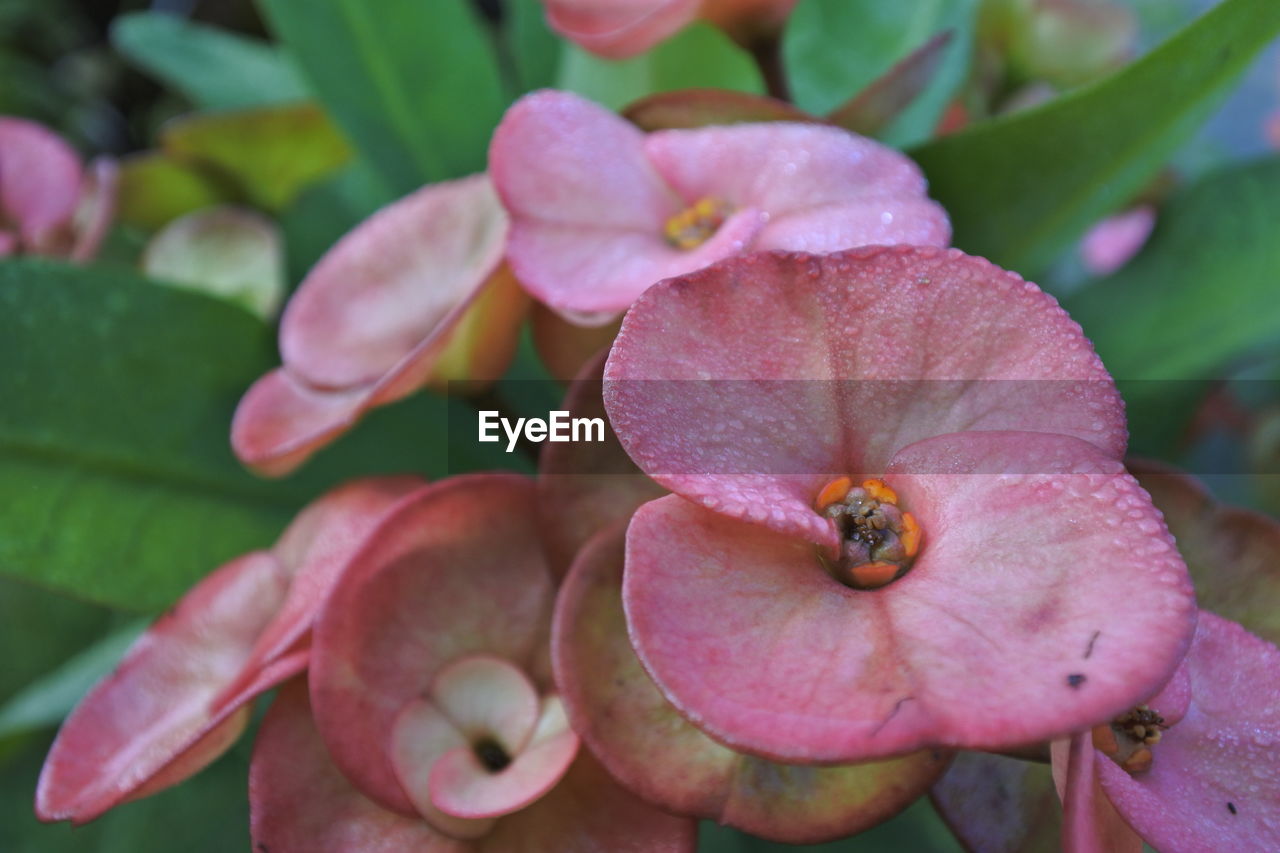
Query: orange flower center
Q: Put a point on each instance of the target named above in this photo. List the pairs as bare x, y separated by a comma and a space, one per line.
878, 541
695, 225
1128, 739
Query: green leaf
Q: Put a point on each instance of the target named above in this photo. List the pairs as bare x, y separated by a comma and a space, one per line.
270, 152
155, 190
116, 473
534, 49
213, 68
1203, 291
414, 84
1021, 188
698, 57
40, 630
833, 49
46, 702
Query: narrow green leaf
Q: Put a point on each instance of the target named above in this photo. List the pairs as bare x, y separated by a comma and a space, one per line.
1020, 189
213, 68
534, 49
414, 84
1203, 292
46, 702
698, 57
833, 49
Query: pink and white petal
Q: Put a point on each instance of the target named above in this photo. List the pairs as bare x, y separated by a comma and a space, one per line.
996, 804
96, 209
817, 370
456, 570
281, 421
8, 244
582, 269
1214, 783
1111, 243
40, 180
1090, 824
652, 750
876, 221
421, 736
316, 546
557, 158
164, 703
588, 812
461, 786
584, 486
397, 279
785, 168
300, 803
1233, 553
1040, 603
617, 29
486, 696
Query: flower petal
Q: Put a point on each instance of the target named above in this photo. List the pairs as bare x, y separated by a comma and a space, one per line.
823, 175
486, 696
1214, 783
1039, 604
300, 802
463, 787
820, 366
650, 748
40, 181
995, 803
162, 705
1090, 824
619, 28
456, 570
584, 486
421, 736
401, 277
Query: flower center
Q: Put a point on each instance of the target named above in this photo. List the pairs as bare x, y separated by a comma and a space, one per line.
1127, 740
878, 541
492, 754
695, 225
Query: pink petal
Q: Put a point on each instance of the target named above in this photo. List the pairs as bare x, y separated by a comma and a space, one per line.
584, 486
96, 210
487, 696
996, 804
421, 736
825, 175
40, 181
1040, 603
1233, 553
456, 570
1214, 783
300, 803
824, 366
619, 28
401, 277
1111, 243
655, 752
1089, 822
463, 787
162, 705
588, 812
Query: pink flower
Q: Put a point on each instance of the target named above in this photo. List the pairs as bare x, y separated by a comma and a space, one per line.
48, 204
182, 695
1114, 241
437, 725
1207, 777
600, 211
996, 579
415, 294
620, 28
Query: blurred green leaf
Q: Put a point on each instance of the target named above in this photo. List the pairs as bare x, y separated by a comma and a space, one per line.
534, 49
213, 68
39, 630
1203, 291
155, 190
270, 152
833, 49
327, 210
1019, 189
115, 472
699, 56
206, 814
46, 701
414, 84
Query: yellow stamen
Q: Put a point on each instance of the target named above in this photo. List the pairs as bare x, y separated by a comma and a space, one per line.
695, 225
881, 492
833, 493
910, 534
